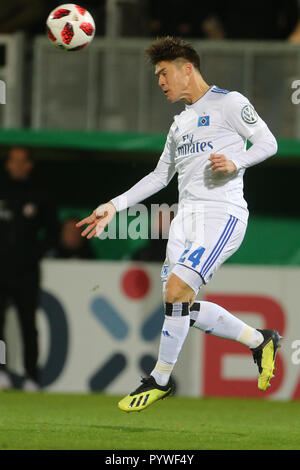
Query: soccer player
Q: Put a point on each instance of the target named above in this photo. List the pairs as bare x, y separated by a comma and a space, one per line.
206, 146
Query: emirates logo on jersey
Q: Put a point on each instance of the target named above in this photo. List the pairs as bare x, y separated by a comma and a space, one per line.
196, 147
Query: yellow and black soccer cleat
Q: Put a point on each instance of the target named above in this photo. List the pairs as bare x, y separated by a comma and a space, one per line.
146, 394
264, 356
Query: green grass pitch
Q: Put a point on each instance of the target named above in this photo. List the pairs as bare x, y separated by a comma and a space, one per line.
68, 421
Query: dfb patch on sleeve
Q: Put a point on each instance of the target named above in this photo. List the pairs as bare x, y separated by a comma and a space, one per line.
249, 115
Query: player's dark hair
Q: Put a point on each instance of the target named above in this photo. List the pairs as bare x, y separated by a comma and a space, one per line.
169, 48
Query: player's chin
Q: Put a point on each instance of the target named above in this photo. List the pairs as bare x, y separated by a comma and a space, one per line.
172, 99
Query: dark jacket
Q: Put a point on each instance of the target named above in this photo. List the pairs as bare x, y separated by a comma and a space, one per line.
28, 225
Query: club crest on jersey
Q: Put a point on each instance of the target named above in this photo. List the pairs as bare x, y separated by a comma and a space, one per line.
249, 114
203, 121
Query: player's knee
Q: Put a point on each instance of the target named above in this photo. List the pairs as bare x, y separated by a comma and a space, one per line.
177, 291
172, 296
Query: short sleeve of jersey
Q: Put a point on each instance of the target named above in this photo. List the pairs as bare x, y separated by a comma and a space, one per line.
241, 116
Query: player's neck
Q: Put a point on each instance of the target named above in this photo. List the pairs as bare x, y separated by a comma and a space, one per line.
198, 87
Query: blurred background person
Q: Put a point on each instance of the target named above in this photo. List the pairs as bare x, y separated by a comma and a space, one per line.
71, 243
28, 230
174, 18
17, 15
256, 20
230, 19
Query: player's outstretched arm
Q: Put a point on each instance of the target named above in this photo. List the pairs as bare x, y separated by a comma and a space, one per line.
98, 220
147, 186
158, 179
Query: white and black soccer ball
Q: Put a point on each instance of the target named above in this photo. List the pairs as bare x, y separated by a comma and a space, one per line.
70, 27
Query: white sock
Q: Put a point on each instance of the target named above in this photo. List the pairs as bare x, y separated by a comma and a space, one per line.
219, 322
174, 332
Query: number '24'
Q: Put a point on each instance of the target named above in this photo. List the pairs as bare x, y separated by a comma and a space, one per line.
194, 257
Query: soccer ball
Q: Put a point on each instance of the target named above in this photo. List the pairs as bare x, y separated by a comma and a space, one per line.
70, 27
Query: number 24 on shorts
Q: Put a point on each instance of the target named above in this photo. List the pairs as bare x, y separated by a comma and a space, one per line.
194, 257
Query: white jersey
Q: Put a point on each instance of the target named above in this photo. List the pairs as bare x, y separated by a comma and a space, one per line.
220, 122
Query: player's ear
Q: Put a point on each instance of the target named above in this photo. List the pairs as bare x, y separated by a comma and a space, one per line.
188, 68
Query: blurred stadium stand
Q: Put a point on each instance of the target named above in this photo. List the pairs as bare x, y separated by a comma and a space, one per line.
111, 86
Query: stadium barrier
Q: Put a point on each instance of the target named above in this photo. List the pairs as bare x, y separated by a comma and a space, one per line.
112, 87
133, 142
100, 323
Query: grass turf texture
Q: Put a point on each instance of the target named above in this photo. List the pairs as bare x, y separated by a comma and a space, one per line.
55, 421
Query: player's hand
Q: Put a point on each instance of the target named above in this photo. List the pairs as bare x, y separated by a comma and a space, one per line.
220, 163
98, 220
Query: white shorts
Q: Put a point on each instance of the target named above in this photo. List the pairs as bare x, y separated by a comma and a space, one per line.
195, 257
